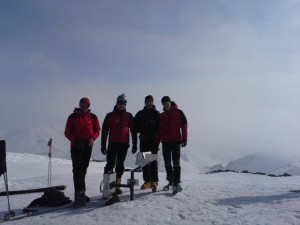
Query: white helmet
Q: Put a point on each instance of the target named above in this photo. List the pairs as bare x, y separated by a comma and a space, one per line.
122, 98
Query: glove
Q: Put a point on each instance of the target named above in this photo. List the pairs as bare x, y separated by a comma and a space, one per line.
183, 144
103, 149
90, 142
134, 149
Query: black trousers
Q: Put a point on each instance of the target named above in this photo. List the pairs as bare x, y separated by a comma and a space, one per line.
116, 155
171, 153
80, 155
150, 171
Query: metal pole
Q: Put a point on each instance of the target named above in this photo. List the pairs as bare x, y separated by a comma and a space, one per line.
49, 164
10, 213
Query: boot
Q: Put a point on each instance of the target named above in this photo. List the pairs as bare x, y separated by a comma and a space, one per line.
146, 185
154, 186
177, 188
118, 188
168, 186
80, 199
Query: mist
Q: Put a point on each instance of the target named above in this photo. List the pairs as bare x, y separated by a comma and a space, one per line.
232, 68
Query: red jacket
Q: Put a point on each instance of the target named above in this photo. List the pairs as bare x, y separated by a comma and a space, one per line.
117, 125
173, 125
82, 126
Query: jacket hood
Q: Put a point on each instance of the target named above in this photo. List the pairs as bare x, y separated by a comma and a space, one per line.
78, 111
173, 106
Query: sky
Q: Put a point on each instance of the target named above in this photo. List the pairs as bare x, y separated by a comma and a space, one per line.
231, 66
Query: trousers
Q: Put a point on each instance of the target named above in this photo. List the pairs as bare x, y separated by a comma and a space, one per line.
171, 154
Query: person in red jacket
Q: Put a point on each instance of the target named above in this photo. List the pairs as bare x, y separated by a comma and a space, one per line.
82, 129
173, 135
117, 125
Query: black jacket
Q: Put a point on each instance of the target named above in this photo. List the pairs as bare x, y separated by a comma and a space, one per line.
146, 122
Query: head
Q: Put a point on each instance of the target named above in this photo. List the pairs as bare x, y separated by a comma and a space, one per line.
148, 102
166, 102
84, 104
121, 102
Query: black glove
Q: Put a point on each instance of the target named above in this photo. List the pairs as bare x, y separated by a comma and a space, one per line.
103, 149
134, 149
183, 144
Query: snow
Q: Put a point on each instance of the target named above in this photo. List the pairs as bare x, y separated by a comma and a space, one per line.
222, 198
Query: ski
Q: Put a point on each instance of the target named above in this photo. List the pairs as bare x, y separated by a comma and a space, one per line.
28, 212
29, 191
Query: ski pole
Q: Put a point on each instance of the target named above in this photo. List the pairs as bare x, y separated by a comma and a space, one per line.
49, 164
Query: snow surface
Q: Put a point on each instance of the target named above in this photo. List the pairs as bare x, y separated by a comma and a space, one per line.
222, 198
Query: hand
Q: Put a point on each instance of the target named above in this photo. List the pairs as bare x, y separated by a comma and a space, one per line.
90, 142
183, 144
134, 149
103, 149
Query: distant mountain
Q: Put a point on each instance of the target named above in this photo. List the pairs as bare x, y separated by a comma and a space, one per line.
261, 163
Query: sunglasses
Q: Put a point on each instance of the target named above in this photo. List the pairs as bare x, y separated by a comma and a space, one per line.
121, 103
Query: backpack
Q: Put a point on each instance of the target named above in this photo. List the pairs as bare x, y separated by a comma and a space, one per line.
52, 198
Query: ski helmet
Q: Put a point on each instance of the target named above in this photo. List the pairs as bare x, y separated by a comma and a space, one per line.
122, 98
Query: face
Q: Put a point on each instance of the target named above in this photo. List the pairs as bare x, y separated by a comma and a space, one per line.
166, 105
121, 105
84, 107
148, 104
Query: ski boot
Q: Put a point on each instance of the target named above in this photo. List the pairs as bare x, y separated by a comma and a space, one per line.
154, 186
176, 188
146, 185
118, 188
80, 199
168, 186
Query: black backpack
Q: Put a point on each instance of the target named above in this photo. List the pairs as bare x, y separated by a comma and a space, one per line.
52, 198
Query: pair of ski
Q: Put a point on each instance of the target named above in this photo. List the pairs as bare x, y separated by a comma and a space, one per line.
28, 212
175, 189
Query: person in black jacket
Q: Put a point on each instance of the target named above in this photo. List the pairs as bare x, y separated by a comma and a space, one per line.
146, 123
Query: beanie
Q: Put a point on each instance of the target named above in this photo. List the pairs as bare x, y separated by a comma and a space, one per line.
84, 100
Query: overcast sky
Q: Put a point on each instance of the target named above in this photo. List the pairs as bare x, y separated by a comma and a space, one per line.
232, 66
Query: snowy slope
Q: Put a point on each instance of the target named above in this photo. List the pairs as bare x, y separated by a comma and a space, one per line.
224, 198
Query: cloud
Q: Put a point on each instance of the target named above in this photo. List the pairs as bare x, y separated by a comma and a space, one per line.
232, 67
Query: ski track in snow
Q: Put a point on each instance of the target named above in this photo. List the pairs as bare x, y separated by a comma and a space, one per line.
222, 198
